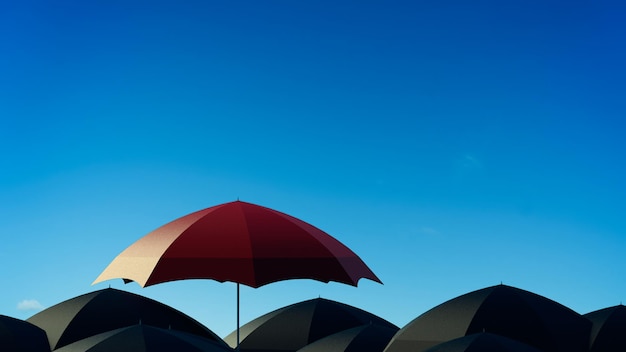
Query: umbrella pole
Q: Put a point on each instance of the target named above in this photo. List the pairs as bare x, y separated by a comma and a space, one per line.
237, 349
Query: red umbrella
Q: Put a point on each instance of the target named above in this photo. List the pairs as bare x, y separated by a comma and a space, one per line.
239, 242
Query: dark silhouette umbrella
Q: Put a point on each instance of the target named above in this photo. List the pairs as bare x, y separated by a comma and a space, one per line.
239, 242
608, 332
21, 336
364, 338
109, 309
292, 327
144, 338
483, 342
503, 310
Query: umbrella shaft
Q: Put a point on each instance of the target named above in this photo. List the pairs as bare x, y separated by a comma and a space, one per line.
237, 316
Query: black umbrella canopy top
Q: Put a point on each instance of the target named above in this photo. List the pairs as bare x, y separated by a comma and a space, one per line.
295, 326
144, 338
504, 310
364, 338
21, 336
483, 342
608, 332
109, 309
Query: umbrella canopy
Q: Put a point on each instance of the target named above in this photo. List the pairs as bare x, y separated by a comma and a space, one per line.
21, 336
144, 338
239, 242
109, 309
295, 326
483, 342
608, 332
503, 310
364, 338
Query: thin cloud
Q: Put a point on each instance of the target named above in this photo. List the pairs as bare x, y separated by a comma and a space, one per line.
467, 165
470, 161
429, 231
29, 304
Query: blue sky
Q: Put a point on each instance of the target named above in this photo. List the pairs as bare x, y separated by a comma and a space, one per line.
453, 145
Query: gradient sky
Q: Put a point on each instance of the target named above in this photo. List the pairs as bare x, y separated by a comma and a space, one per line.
453, 145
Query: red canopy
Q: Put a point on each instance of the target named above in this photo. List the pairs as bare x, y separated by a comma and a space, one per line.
239, 242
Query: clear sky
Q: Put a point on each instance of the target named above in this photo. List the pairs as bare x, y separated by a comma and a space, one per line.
453, 145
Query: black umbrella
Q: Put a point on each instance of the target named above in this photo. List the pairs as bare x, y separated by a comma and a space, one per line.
502, 310
295, 326
21, 336
608, 332
144, 338
364, 338
483, 342
109, 309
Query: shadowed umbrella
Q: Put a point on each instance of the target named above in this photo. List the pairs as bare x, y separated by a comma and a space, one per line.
608, 332
364, 338
295, 326
503, 310
109, 309
483, 342
239, 242
144, 338
21, 336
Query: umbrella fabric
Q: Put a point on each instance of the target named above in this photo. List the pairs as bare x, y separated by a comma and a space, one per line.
608, 332
483, 342
239, 242
503, 310
140, 338
295, 326
364, 338
101, 311
21, 336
